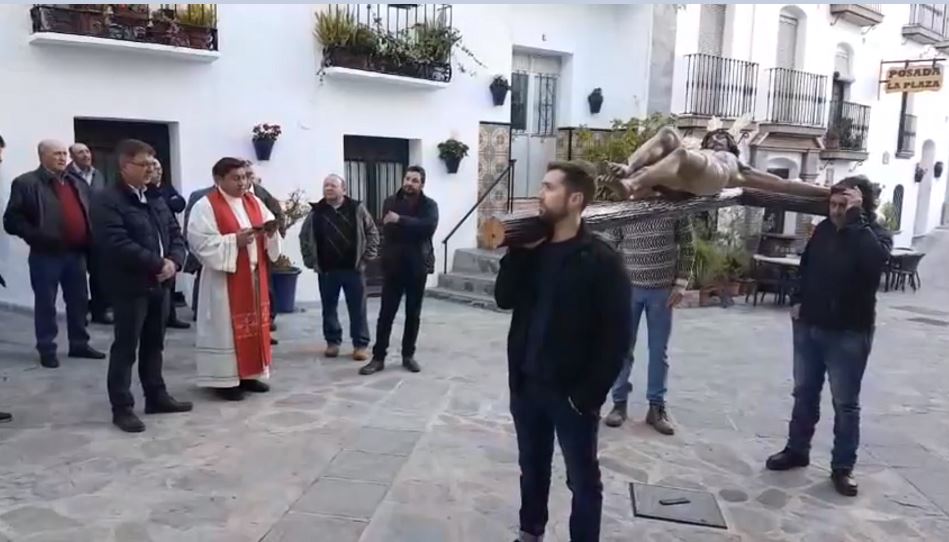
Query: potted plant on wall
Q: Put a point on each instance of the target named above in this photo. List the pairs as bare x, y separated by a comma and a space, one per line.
265, 135
595, 99
499, 87
283, 272
452, 151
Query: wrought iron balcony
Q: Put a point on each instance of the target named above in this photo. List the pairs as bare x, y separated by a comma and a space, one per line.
721, 87
858, 14
847, 130
796, 98
411, 40
928, 24
179, 25
906, 138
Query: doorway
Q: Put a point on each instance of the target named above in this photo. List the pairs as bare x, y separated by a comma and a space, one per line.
534, 100
102, 136
374, 170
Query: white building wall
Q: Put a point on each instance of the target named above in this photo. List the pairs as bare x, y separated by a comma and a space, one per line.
751, 34
267, 72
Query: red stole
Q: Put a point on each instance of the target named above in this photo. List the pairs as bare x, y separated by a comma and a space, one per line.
250, 315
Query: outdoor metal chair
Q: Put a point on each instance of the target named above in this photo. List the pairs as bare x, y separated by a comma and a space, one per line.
905, 268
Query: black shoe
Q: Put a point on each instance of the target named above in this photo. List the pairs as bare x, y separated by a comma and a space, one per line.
274, 342
787, 460
103, 319
273, 326
844, 482
127, 421
6, 417
254, 386
374, 366
85, 352
178, 324
230, 394
167, 404
50, 361
411, 365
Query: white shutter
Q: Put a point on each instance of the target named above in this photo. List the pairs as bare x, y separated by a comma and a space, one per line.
712, 29
787, 42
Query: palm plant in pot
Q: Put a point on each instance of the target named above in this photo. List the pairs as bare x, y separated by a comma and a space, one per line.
264, 136
452, 151
283, 272
499, 87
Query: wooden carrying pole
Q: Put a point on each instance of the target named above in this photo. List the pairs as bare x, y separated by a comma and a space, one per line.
525, 227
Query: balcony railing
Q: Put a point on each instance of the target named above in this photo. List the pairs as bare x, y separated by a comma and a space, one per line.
906, 139
796, 98
721, 87
178, 25
928, 23
412, 40
848, 126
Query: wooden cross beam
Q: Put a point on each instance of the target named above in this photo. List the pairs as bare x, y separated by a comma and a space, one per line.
525, 227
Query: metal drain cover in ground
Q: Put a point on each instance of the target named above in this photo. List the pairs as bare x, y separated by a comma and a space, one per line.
666, 503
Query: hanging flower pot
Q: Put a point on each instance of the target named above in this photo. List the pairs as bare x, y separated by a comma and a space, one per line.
595, 99
920, 173
937, 169
499, 88
451, 151
264, 137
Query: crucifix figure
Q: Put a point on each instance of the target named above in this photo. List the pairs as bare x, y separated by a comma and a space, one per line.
668, 163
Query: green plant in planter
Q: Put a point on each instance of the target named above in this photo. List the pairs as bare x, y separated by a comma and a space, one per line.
334, 27
888, 216
295, 208
709, 268
452, 151
202, 15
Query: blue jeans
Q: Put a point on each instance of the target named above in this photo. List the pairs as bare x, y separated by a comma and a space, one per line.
354, 288
538, 414
47, 273
842, 355
654, 302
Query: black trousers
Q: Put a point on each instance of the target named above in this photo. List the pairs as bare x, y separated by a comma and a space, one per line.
98, 299
394, 286
139, 329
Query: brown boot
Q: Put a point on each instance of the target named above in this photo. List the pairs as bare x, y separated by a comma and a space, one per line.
332, 351
361, 354
659, 419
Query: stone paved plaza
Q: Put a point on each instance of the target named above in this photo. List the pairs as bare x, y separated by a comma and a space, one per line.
332, 456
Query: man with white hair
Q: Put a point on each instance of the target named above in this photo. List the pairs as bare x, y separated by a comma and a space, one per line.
337, 238
82, 169
50, 211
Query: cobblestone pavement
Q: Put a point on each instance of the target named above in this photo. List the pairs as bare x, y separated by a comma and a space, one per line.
332, 456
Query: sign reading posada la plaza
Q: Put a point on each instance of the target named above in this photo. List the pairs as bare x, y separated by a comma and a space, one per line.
918, 78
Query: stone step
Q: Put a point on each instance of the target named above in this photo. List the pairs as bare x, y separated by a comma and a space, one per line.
475, 261
473, 283
466, 298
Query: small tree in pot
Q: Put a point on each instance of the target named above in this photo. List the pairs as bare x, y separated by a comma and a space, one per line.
284, 273
265, 135
499, 88
452, 151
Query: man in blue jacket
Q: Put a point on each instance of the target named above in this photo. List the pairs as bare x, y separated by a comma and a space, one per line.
409, 222
833, 315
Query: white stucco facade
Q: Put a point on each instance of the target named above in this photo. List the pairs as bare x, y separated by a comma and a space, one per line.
751, 33
266, 71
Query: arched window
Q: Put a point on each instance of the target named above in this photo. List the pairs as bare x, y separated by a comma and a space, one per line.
898, 206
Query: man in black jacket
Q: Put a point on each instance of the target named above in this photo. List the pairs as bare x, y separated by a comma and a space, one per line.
4, 416
49, 209
146, 249
409, 222
570, 332
158, 187
833, 315
82, 168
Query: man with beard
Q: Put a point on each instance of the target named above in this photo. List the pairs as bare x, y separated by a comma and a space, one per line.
569, 335
409, 221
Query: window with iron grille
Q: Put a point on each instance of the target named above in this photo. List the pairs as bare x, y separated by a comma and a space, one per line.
519, 101
546, 104
906, 138
898, 205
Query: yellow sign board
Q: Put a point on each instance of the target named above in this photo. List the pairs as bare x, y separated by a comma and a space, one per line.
914, 78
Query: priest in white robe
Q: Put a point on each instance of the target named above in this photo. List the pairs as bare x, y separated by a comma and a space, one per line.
234, 236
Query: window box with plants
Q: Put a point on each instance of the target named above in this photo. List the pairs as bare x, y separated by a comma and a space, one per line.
264, 136
451, 151
283, 272
355, 38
